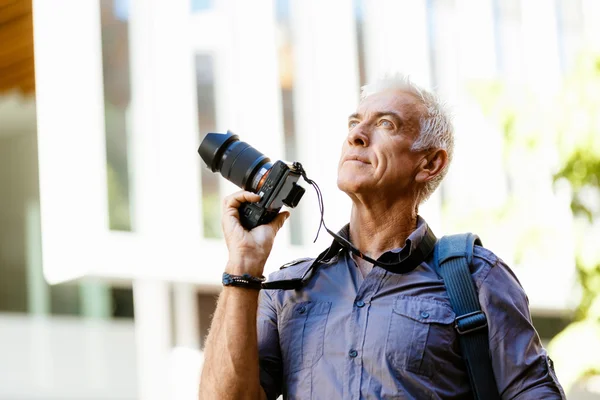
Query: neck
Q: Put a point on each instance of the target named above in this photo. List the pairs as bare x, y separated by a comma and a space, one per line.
377, 228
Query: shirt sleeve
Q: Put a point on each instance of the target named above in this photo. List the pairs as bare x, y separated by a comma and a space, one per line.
521, 365
269, 352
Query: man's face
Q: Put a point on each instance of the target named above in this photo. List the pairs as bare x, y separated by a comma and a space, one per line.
376, 156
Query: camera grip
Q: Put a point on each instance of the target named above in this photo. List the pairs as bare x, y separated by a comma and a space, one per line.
253, 215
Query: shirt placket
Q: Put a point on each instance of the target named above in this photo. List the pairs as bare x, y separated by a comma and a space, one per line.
358, 328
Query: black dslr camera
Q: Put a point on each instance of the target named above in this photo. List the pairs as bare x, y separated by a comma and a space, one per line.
251, 170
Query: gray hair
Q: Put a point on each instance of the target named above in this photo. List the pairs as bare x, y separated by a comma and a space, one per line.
436, 132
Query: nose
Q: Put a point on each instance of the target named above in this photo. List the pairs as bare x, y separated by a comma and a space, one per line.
358, 137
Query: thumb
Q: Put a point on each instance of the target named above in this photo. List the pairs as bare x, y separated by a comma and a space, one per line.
277, 223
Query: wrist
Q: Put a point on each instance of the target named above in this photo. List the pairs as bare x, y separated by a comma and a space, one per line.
246, 281
245, 266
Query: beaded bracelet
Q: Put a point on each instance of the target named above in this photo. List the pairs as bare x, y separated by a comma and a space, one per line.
246, 280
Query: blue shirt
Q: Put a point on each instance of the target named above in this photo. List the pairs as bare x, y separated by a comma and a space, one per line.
391, 336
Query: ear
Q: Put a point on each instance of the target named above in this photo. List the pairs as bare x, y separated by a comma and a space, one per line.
432, 165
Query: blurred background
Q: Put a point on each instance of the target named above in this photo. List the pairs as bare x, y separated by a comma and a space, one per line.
110, 248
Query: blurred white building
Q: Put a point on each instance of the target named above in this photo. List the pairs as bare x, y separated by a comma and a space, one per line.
110, 249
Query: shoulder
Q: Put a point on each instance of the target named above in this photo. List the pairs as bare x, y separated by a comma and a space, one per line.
293, 269
483, 262
274, 299
454, 245
493, 276
296, 262
485, 256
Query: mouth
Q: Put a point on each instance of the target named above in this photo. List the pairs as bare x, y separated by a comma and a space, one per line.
357, 159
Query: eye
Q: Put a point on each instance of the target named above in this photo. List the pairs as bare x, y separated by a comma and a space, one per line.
352, 124
386, 123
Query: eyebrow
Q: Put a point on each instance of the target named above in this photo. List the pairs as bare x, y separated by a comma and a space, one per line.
395, 116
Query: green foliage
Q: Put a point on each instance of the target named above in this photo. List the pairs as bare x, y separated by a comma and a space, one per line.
566, 128
589, 307
577, 346
522, 117
579, 135
582, 170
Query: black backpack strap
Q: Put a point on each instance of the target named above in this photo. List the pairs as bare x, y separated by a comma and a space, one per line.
453, 255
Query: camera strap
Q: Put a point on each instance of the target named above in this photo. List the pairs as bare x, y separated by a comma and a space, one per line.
389, 261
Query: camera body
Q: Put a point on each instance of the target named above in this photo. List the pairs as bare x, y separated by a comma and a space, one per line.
279, 189
249, 169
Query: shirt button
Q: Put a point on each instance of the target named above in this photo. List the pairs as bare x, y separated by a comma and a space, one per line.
424, 314
353, 353
360, 304
302, 310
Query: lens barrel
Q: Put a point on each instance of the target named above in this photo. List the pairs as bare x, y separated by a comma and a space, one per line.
236, 161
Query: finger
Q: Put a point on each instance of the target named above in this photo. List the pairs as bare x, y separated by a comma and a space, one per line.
236, 199
277, 223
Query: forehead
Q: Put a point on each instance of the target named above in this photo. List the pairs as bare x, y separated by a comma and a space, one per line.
405, 103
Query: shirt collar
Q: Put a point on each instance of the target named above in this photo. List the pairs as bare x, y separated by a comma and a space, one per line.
398, 254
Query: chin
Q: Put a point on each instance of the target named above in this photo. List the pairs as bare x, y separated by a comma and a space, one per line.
352, 185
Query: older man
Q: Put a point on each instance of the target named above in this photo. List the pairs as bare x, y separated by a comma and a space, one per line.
359, 331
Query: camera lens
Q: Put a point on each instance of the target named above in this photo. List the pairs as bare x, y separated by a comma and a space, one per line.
236, 161
260, 177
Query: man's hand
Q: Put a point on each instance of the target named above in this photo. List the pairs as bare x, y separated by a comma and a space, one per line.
248, 250
231, 362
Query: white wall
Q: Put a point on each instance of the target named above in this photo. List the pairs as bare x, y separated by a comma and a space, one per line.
66, 358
